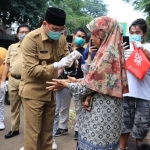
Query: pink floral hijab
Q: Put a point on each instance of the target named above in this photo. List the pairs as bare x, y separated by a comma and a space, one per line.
107, 74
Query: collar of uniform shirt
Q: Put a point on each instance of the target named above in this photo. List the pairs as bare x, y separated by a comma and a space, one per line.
43, 34
18, 44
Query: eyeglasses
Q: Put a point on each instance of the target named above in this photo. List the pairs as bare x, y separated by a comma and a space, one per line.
26, 32
57, 30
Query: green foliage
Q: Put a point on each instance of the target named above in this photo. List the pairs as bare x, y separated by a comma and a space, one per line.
23, 11
79, 12
96, 8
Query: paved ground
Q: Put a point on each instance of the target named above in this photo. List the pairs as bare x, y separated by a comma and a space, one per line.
65, 142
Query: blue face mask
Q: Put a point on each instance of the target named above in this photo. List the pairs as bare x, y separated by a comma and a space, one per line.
54, 35
79, 41
135, 38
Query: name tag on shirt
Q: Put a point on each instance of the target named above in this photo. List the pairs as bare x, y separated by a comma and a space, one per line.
14, 50
43, 51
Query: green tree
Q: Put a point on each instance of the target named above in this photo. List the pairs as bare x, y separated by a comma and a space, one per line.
95, 8
75, 16
23, 11
80, 12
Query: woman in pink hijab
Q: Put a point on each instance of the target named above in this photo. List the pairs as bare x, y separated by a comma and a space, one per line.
101, 90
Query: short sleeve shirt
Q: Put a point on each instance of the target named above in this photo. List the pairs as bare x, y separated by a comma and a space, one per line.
138, 88
14, 58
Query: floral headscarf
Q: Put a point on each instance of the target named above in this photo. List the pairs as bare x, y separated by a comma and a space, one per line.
107, 74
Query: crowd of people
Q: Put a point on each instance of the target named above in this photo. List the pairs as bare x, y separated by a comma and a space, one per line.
46, 72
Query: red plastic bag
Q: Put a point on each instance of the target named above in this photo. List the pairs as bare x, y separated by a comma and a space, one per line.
137, 63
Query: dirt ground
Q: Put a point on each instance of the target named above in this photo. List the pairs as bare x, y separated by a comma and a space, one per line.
65, 142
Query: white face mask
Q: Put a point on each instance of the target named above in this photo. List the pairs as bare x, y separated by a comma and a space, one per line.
21, 36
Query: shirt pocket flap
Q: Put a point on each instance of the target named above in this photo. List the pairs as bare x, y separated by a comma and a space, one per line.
44, 55
13, 52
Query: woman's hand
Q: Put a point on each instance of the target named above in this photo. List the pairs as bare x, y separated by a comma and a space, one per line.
92, 49
57, 84
73, 79
87, 103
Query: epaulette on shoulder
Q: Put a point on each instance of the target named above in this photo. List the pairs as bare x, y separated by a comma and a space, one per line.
14, 44
35, 33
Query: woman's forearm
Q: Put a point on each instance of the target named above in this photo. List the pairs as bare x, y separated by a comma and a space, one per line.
89, 58
78, 90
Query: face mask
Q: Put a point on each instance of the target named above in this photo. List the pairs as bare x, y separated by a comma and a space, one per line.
79, 41
21, 36
136, 38
54, 35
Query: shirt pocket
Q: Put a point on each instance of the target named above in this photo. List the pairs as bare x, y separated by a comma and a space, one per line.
44, 55
13, 55
59, 54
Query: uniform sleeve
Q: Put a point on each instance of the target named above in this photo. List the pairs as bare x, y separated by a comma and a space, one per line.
66, 51
31, 60
7, 58
63, 43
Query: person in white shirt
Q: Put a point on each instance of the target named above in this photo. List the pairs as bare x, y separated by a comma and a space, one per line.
136, 117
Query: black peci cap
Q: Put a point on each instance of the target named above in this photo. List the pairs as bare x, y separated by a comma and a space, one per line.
55, 16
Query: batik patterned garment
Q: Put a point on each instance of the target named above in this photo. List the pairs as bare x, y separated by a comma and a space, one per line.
100, 128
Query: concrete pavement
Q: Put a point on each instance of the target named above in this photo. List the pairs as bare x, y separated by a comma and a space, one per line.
65, 142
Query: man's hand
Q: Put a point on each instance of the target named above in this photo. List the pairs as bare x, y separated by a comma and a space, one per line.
60, 71
125, 46
139, 45
64, 62
74, 55
3, 87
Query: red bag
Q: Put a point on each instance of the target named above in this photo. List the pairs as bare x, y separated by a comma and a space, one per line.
137, 63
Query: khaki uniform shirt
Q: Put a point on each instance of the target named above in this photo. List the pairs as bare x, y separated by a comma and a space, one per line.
14, 58
39, 54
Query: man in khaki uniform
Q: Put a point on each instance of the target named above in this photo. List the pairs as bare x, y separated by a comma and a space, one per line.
44, 52
13, 64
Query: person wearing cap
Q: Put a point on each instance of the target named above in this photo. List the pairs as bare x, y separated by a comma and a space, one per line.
13, 66
44, 50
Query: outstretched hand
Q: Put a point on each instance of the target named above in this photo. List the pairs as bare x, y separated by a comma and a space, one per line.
57, 84
73, 79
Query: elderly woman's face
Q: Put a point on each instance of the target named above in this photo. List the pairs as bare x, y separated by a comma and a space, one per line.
97, 38
96, 41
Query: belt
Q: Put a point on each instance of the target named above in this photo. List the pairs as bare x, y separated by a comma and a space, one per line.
16, 77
